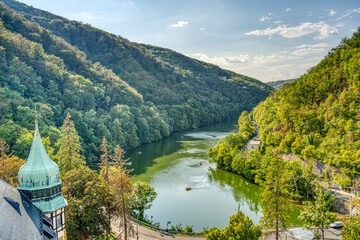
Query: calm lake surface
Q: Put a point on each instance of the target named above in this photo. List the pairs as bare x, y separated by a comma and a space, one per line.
180, 161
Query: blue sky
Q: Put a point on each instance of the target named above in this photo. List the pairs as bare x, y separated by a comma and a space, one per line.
268, 40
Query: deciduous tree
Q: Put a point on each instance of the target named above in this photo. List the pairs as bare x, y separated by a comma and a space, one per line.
9, 165
318, 213
142, 197
240, 227
351, 229
85, 192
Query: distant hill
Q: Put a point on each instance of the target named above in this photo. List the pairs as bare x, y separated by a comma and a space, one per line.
280, 83
131, 93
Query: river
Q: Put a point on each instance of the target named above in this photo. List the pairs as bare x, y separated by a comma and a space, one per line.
180, 161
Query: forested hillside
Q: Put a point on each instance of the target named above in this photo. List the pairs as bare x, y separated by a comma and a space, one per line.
191, 93
130, 93
316, 117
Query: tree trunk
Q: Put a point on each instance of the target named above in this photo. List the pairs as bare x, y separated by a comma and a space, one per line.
277, 207
108, 204
277, 222
123, 206
108, 230
322, 233
296, 187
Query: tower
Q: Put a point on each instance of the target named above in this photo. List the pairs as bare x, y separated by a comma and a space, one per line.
39, 181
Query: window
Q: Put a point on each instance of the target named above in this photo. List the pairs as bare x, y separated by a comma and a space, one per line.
58, 220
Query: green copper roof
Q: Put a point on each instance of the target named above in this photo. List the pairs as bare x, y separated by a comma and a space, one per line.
52, 205
40, 173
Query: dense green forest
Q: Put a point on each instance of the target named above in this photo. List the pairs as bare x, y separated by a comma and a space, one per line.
316, 117
129, 93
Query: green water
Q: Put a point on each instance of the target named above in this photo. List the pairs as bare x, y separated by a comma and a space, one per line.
180, 161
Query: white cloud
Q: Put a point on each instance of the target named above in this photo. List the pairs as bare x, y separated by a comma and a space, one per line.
140, 42
318, 45
83, 17
179, 24
202, 29
238, 59
349, 13
222, 60
288, 10
323, 29
332, 13
307, 51
264, 18
278, 22
273, 58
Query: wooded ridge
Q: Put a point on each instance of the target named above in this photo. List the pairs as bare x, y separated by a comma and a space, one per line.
130, 93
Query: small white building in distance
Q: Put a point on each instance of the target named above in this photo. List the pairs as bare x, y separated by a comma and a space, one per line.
254, 145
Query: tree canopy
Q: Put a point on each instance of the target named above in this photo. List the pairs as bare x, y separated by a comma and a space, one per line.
240, 227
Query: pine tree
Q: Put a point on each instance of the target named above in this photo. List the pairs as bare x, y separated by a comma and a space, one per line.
69, 153
104, 160
274, 196
105, 168
121, 187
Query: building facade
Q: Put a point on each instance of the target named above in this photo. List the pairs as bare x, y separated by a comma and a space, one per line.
254, 145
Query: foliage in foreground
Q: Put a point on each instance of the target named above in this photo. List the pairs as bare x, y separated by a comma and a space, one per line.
9, 165
85, 193
142, 197
318, 213
240, 227
351, 229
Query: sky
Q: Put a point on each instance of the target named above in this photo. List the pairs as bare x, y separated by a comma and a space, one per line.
267, 40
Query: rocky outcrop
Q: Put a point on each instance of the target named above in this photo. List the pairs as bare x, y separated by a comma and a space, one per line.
344, 207
318, 167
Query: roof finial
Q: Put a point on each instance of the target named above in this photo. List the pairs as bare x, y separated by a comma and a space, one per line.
36, 121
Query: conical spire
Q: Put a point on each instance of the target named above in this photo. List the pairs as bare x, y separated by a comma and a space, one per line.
39, 177
39, 170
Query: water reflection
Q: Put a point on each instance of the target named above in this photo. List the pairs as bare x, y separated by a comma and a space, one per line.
243, 191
